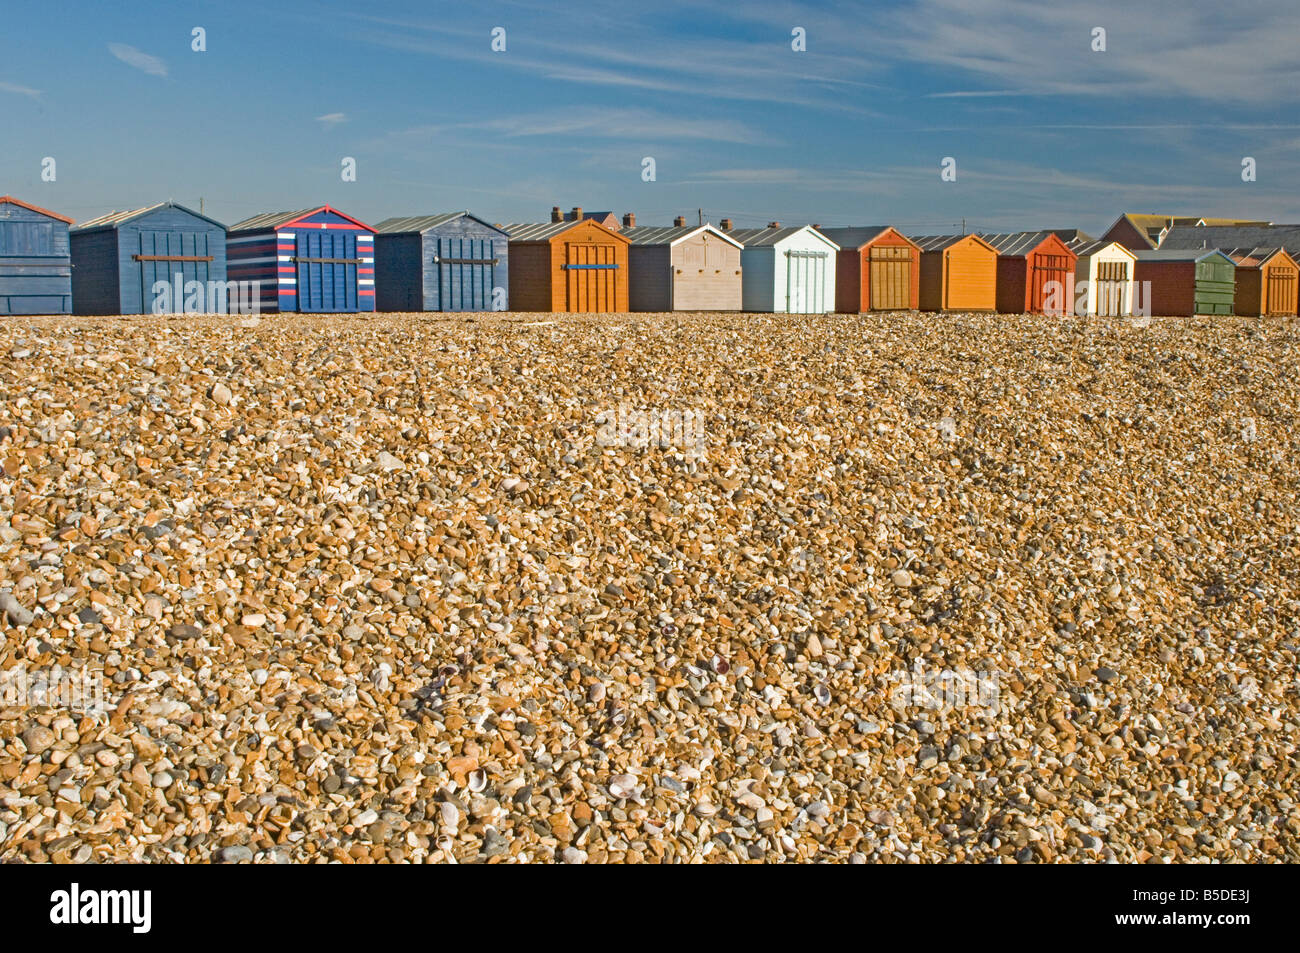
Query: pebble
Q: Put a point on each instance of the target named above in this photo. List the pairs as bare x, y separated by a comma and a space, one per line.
395, 600
38, 739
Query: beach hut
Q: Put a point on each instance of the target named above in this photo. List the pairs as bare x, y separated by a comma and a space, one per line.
35, 260
958, 273
1107, 267
453, 261
122, 261
1184, 282
683, 268
877, 269
1266, 282
314, 261
787, 270
578, 266
1035, 272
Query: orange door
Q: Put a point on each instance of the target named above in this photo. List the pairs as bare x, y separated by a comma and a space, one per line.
890, 278
592, 270
1280, 290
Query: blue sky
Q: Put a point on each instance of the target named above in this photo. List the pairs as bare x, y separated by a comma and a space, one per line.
1046, 132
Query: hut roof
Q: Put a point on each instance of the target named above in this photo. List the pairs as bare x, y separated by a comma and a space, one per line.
10, 200
422, 223
545, 231
761, 237
940, 242
1016, 244
672, 234
270, 221
855, 236
114, 219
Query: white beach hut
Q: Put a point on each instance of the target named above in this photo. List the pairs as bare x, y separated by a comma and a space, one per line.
787, 270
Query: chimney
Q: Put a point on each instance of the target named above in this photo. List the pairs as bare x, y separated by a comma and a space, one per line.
629, 220
773, 224
725, 224
556, 214
679, 221
577, 213
818, 227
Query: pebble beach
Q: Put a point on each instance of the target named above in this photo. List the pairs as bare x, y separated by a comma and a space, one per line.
650, 588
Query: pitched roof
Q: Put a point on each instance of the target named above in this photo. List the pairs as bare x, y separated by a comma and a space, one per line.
761, 237
1017, 244
422, 223
270, 221
855, 236
672, 234
1234, 236
545, 231
1092, 246
114, 219
1069, 235
1254, 257
10, 200
940, 242
1152, 224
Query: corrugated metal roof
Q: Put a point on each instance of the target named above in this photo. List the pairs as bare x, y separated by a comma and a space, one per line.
1071, 235
273, 220
936, 242
756, 237
1016, 244
854, 236
1234, 236
541, 232
762, 237
672, 234
114, 219
1253, 257
269, 220
1084, 249
422, 223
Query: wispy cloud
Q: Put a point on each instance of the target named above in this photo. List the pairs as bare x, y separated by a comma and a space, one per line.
1162, 49
20, 90
329, 120
613, 122
138, 59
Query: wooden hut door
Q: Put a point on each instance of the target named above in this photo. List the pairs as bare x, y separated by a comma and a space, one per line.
1281, 291
1111, 293
805, 282
466, 273
591, 272
1046, 269
165, 255
327, 270
890, 277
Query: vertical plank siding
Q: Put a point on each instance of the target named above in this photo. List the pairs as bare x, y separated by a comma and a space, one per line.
450, 261
877, 269
316, 261
117, 258
957, 273
35, 260
574, 266
787, 270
